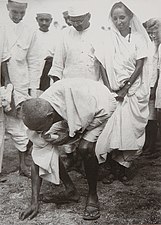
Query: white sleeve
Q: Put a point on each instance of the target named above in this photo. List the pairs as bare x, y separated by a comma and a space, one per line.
159, 60
59, 60
154, 71
141, 48
5, 48
34, 63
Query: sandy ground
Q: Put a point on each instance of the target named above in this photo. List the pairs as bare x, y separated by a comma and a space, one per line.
137, 203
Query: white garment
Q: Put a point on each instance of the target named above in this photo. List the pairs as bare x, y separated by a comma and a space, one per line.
158, 91
47, 41
84, 107
74, 55
153, 61
24, 72
24, 65
83, 103
16, 128
125, 130
4, 55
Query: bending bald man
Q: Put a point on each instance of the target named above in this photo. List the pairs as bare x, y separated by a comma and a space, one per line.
81, 107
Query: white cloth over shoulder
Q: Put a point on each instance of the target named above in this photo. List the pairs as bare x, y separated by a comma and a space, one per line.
80, 102
85, 105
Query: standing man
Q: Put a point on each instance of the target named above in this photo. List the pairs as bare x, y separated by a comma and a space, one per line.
24, 73
4, 57
74, 55
47, 38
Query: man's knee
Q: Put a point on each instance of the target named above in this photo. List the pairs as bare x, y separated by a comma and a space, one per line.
86, 149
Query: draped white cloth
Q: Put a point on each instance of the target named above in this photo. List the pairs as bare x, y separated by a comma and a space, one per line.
85, 105
125, 130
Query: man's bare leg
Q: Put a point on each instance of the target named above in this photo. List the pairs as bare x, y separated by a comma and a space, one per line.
23, 169
36, 182
92, 211
91, 170
70, 194
70, 188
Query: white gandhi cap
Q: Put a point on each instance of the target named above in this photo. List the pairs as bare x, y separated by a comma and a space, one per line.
19, 1
42, 9
78, 9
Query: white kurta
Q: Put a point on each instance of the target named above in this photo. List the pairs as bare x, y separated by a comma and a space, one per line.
24, 66
158, 91
4, 55
47, 41
24, 73
74, 56
86, 108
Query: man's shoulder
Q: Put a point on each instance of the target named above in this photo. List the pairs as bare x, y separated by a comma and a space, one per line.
30, 29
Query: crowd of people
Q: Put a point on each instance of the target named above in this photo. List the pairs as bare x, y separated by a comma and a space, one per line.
96, 93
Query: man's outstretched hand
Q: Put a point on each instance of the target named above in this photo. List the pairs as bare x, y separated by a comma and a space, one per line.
30, 212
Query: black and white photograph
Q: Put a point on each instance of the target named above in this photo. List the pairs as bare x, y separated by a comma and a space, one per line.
80, 112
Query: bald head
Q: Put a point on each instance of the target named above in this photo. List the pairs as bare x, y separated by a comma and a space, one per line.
38, 114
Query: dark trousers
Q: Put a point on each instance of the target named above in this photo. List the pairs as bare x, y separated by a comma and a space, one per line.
45, 79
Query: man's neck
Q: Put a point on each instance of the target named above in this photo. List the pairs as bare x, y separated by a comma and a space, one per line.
44, 31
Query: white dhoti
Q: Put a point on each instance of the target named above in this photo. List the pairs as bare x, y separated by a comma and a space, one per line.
46, 156
16, 128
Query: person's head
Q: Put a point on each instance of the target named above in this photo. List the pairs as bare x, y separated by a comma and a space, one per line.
79, 17
153, 28
150, 34
121, 16
38, 114
17, 10
44, 20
